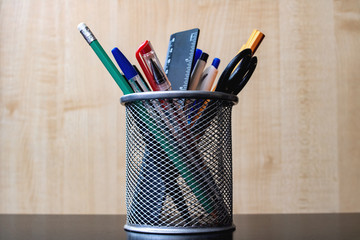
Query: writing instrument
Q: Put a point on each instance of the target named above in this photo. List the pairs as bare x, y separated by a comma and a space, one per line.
159, 76
194, 82
104, 58
206, 81
141, 76
147, 59
208, 76
198, 53
137, 84
198, 70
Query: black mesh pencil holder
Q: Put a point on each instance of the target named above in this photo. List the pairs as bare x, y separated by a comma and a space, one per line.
178, 161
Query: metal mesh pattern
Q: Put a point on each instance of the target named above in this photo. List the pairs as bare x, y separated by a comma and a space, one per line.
179, 163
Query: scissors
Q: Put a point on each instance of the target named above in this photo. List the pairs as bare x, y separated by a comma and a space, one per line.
233, 79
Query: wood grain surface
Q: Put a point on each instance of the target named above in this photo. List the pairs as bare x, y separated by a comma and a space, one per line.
296, 130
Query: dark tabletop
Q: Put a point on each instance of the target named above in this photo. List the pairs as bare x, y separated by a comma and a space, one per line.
261, 226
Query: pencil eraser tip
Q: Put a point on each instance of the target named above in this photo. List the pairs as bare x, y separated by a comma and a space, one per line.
81, 26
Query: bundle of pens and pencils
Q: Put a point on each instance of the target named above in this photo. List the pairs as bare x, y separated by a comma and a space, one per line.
168, 136
184, 65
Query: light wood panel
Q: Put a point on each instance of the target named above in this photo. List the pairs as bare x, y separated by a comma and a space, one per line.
296, 134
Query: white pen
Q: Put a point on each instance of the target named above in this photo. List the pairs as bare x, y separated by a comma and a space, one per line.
198, 70
208, 76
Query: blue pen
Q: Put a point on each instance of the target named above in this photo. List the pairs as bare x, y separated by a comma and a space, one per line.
137, 84
197, 55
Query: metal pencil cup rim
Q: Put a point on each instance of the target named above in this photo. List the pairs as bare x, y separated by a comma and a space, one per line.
178, 94
175, 183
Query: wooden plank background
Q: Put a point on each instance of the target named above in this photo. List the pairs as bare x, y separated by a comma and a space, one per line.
296, 132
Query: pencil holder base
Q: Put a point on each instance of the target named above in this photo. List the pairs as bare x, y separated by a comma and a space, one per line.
176, 230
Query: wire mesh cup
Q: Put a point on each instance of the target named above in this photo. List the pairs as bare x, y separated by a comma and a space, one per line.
178, 162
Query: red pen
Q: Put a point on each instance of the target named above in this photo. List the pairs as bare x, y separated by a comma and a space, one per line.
152, 68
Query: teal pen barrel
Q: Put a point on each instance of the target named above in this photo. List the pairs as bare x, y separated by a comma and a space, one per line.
177, 180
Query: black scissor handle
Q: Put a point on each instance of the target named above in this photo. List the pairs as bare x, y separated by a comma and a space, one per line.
225, 76
249, 70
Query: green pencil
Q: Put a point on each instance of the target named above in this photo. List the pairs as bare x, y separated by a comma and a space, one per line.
104, 58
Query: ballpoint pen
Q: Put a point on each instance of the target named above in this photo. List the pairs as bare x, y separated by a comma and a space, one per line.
141, 76
198, 53
136, 82
206, 81
158, 75
148, 61
208, 77
104, 58
197, 71
194, 82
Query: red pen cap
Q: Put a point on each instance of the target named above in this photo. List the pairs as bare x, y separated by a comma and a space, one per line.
144, 48
152, 68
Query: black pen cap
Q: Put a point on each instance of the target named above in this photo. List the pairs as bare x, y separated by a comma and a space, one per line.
204, 56
157, 73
